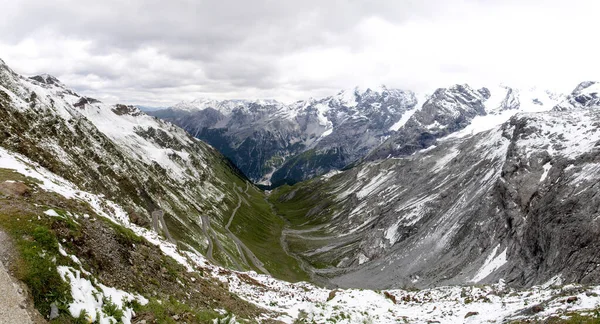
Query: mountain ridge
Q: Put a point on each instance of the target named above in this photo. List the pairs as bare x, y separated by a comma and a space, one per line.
315, 136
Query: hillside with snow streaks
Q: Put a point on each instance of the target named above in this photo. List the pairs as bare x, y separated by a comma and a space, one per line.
141, 162
275, 143
289, 302
126, 217
469, 208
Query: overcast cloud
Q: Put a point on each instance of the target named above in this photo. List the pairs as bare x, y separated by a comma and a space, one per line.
161, 52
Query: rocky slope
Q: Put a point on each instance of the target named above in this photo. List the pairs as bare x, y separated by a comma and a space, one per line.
84, 261
143, 164
517, 202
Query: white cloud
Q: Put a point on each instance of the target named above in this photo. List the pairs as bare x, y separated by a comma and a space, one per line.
157, 52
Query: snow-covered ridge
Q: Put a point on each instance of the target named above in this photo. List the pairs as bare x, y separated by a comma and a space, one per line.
224, 106
350, 122
585, 95
505, 102
555, 133
122, 124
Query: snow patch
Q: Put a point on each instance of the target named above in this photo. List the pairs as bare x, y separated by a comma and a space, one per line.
491, 264
88, 298
443, 161
547, 168
375, 183
52, 213
330, 174
327, 133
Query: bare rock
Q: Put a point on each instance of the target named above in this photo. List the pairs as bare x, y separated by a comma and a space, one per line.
15, 189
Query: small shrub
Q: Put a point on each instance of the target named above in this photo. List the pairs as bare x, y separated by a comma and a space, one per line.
111, 309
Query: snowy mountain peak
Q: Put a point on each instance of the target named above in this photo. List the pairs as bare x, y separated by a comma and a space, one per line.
457, 96
47, 79
585, 95
372, 96
587, 86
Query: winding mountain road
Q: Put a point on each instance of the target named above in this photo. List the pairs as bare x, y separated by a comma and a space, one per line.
283, 242
205, 231
159, 216
242, 248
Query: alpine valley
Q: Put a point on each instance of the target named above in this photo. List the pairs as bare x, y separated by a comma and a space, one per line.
468, 204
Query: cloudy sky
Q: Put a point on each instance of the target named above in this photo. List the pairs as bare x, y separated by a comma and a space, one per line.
161, 52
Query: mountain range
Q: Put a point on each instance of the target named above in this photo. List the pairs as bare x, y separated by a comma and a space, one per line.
274, 143
469, 204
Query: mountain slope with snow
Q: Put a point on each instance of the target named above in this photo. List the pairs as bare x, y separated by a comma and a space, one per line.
146, 165
160, 282
274, 143
471, 208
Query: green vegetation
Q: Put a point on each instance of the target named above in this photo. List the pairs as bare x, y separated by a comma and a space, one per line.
294, 169
306, 207
113, 254
36, 268
274, 162
110, 309
164, 311
260, 229
586, 317
36, 246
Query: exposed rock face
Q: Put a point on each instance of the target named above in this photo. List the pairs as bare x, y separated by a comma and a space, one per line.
553, 219
518, 202
511, 101
276, 143
446, 111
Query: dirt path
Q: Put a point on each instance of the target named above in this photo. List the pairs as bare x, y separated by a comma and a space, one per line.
14, 304
159, 216
205, 230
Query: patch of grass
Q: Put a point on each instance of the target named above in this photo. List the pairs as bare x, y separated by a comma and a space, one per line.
164, 311
257, 225
298, 203
37, 249
84, 318
36, 245
125, 235
9, 174
306, 206
592, 317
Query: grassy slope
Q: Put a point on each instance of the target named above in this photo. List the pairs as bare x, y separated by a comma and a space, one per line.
260, 229
306, 206
104, 249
